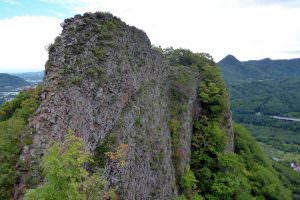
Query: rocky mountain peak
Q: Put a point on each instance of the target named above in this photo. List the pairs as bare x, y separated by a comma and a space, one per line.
106, 82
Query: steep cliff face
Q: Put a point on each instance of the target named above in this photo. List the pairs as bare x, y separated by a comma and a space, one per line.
105, 82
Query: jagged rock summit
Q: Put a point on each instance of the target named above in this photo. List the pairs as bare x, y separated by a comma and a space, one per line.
105, 81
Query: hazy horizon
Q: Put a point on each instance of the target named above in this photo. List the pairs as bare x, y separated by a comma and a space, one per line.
42, 69
20, 71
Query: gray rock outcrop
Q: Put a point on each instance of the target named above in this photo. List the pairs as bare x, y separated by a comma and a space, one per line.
105, 82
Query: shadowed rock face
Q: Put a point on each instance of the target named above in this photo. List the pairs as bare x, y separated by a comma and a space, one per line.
105, 82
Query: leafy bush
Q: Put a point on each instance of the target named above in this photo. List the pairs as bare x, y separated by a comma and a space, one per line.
185, 57
65, 175
188, 184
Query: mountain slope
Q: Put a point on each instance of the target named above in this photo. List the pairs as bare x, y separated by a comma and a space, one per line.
31, 77
10, 82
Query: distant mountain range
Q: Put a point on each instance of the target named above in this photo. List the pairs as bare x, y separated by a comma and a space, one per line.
235, 70
9, 82
31, 77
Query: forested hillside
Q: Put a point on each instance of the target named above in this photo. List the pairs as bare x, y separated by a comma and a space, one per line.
235, 70
272, 90
10, 86
10, 82
270, 97
31, 77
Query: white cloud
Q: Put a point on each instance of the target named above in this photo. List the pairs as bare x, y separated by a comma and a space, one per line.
23, 41
249, 29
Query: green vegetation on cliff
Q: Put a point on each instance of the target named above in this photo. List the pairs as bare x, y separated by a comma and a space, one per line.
246, 173
14, 117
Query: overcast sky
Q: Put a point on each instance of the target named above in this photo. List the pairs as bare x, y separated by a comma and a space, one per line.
248, 29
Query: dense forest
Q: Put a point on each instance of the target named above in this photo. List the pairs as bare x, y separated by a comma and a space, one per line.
255, 102
270, 97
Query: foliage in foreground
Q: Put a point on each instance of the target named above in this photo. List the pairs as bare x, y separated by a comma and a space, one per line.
65, 175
